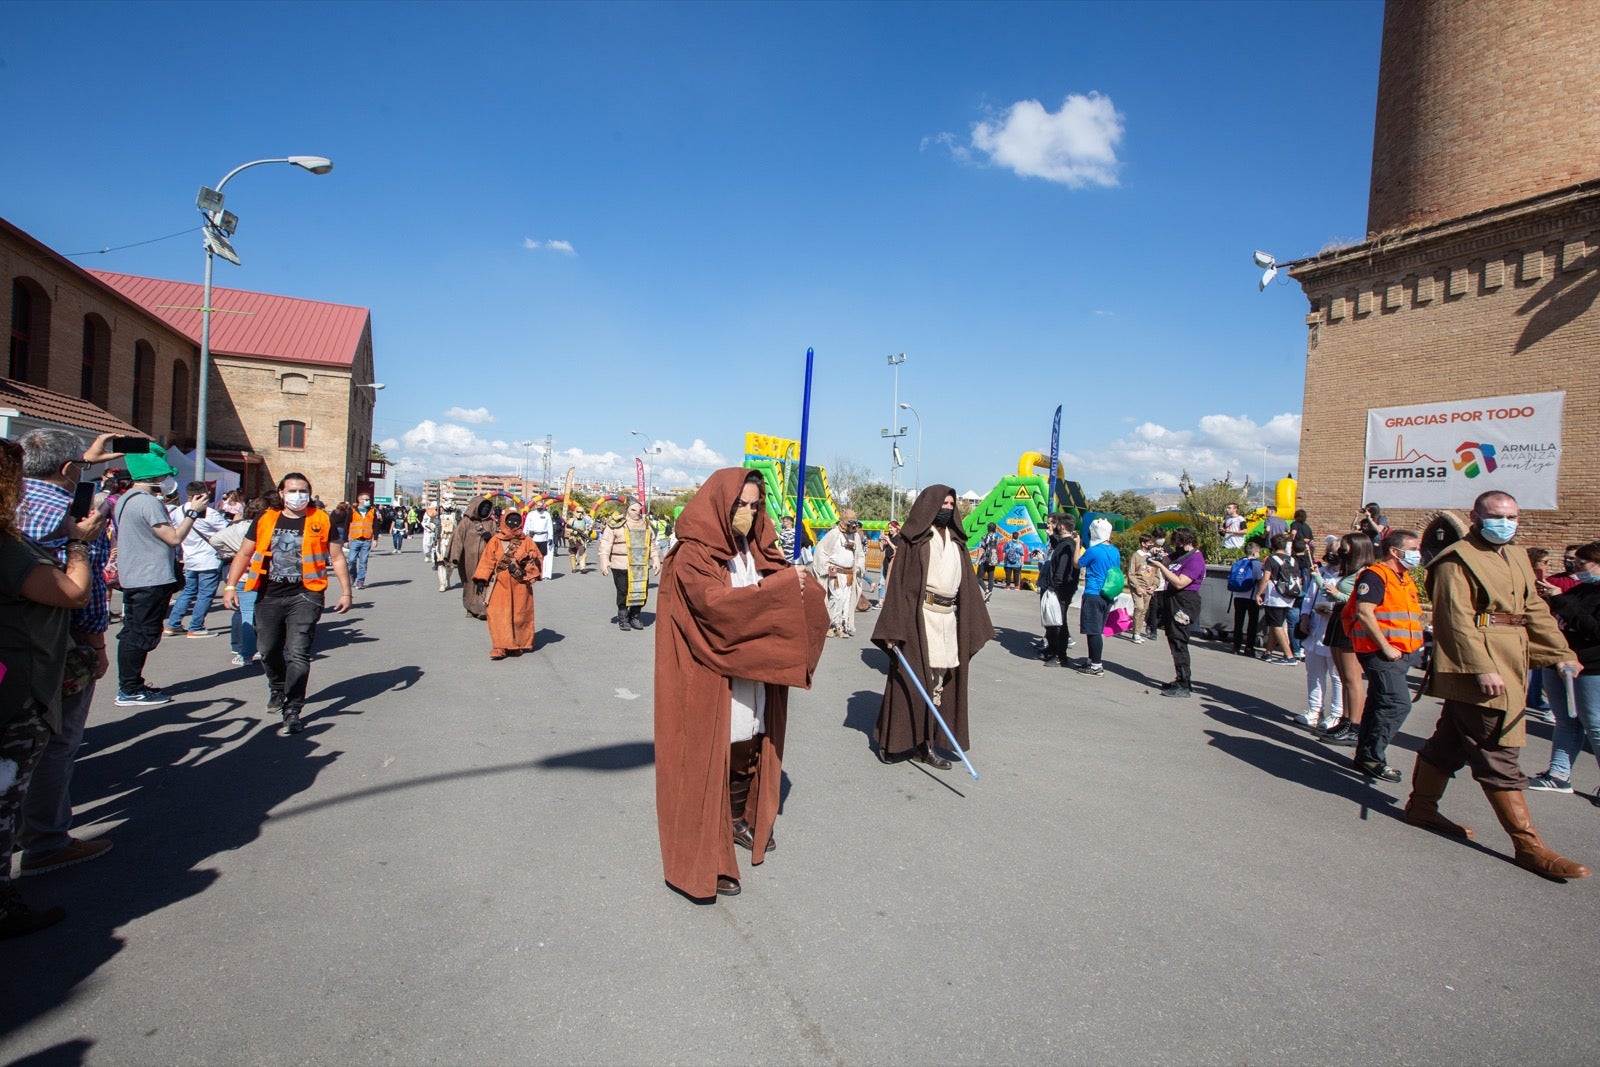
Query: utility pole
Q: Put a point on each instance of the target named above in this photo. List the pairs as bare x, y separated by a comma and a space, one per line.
549, 443
894, 438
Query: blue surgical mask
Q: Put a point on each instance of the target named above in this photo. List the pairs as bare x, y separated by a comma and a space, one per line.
1498, 531
1588, 577
1411, 559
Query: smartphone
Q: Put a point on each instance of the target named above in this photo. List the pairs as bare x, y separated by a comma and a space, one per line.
82, 500
136, 446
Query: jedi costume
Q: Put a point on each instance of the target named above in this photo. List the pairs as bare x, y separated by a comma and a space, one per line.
472, 534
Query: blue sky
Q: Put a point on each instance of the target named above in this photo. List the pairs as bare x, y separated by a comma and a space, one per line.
581, 220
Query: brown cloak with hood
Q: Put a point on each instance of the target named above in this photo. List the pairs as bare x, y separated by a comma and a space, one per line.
473, 532
708, 632
509, 599
903, 720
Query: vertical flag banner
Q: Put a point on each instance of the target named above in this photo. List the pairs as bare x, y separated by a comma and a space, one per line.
638, 471
1443, 455
1055, 459
566, 490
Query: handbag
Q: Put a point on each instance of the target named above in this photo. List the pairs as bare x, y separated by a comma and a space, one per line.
1049, 608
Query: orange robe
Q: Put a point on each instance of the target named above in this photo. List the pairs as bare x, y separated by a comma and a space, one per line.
510, 602
707, 633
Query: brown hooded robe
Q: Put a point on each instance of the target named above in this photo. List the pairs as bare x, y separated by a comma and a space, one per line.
708, 632
903, 720
466, 545
509, 601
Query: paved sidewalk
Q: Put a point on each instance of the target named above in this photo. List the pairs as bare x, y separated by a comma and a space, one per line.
456, 863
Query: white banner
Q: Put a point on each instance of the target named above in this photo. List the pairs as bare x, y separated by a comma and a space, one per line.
1444, 455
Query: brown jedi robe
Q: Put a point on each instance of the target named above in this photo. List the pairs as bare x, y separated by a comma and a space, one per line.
903, 719
466, 545
1473, 576
510, 600
708, 632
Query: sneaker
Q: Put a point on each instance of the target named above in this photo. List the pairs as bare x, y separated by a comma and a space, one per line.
1374, 769
1307, 719
1544, 715
143, 698
237, 659
291, 721
1072, 642
1342, 737
1179, 692
1301, 655
1139, 639
201, 633
256, 658
16, 918
275, 704
167, 631
1277, 661
75, 852
1093, 670
1328, 724
1549, 783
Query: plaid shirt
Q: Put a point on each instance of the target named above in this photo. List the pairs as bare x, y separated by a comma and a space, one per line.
44, 505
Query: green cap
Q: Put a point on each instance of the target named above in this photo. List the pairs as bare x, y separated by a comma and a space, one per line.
151, 466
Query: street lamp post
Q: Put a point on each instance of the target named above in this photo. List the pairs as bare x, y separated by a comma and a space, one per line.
908, 407
652, 450
894, 418
219, 225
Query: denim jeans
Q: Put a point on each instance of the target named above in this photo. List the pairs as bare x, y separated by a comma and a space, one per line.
1294, 626
244, 623
1536, 690
357, 552
1571, 728
47, 808
199, 589
285, 627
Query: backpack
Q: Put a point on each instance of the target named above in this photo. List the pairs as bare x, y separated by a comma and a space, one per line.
1242, 575
1114, 582
1288, 583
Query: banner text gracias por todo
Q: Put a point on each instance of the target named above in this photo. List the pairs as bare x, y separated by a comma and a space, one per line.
1443, 455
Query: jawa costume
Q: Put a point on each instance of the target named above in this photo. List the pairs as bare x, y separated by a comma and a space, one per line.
934, 611
473, 532
736, 628
508, 568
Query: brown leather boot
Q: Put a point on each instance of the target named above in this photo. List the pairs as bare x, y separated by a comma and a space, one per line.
742, 760
927, 754
1427, 786
1511, 808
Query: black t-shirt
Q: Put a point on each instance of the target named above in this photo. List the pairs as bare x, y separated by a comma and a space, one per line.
284, 576
1303, 536
888, 552
1369, 588
1280, 568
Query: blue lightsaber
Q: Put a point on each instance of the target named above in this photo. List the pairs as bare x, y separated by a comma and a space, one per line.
916, 681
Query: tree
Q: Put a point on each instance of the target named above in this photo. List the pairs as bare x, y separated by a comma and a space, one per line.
845, 477
870, 501
1130, 505
380, 455
1203, 507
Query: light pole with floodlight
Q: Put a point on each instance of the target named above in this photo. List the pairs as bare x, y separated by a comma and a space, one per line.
218, 227
894, 438
908, 407
654, 449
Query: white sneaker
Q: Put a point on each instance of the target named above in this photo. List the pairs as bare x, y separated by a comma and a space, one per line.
1305, 718
1327, 724
1139, 639
237, 660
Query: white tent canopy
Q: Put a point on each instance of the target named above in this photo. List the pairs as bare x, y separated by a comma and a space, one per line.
971, 497
224, 479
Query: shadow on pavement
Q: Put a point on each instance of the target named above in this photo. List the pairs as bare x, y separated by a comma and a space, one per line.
1017, 642
167, 783
65, 1054
545, 637
623, 757
337, 631
346, 695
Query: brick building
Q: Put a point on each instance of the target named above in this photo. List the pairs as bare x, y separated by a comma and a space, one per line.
290, 384
1479, 274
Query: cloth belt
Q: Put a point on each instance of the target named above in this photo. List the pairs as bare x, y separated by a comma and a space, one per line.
1484, 620
941, 604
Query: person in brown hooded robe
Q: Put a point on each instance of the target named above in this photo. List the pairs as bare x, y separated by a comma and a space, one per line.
737, 626
472, 534
509, 566
934, 613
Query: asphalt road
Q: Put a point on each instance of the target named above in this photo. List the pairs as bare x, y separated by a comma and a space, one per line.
456, 862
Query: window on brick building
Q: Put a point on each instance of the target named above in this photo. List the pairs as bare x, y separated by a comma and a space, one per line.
94, 377
291, 434
27, 351
144, 384
179, 424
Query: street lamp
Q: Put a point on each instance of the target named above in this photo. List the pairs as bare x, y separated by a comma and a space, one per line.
908, 407
218, 227
894, 418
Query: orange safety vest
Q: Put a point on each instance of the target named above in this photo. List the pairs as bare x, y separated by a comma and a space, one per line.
313, 550
361, 525
1399, 615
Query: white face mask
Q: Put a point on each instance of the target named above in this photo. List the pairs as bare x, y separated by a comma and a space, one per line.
296, 501
169, 486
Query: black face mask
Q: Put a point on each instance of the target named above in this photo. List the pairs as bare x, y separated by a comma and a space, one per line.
946, 517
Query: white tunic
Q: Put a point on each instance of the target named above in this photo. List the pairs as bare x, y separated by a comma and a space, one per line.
749, 697
946, 557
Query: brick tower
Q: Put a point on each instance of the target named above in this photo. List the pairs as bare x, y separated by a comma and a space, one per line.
1481, 267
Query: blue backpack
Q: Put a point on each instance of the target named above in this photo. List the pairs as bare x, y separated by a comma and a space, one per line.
1242, 576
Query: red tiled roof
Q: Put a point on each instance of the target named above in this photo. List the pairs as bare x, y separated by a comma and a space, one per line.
39, 403
279, 328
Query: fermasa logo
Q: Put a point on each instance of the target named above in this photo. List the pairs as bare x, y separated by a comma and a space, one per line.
1474, 458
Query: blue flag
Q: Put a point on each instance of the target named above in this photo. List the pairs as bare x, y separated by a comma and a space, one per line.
1055, 458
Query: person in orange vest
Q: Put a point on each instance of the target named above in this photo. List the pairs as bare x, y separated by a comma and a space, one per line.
1384, 619
288, 556
362, 531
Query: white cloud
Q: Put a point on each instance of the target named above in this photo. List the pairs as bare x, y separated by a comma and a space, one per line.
1075, 146
472, 415
442, 449
1154, 455
564, 247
